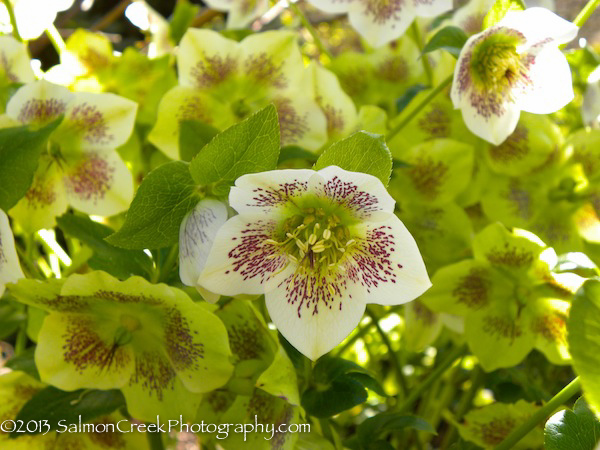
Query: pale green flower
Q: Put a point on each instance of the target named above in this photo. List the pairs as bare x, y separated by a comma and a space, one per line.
10, 270
240, 12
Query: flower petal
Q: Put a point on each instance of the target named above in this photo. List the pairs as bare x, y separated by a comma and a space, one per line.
77, 351
44, 201
10, 270
549, 324
242, 12
551, 85
363, 194
99, 182
382, 22
196, 236
239, 261
39, 102
15, 65
309, 316
206, 59
265, 192
388, 263
431, 8
333, 6
185, 103
96, 121
540, 24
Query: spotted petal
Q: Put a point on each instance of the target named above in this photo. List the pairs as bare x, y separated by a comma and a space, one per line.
431, 8
315, 316
239, 261
10, 270
388, 263
196, 236
333, 6
382, 22
39, 103
15, 66
99, 182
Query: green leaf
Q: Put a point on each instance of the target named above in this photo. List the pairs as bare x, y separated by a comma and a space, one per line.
119, 262
165, 196
24, 362
448, 38
368, 382
294, 152
247, 147
342, 394
20, 149
408, 96
53, 405
193, 136
373, 427
182, 18
361, 152
11, 317
567, 430
499, 10
583, 336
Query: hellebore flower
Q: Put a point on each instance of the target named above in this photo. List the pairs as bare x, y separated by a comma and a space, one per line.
511, 67
590, 110
15, 66
240, 12
382, 21
221, 82
10, 270
80, 166
151, 341
33, 16
319, 245
196, 236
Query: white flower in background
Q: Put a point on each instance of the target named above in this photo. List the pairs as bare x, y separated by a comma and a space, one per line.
511, 67
196, 236
240, 12
33, 16
470, 16
382, 21
10, 270
548, 4
15, 66
320, 246
80, 166
591, 100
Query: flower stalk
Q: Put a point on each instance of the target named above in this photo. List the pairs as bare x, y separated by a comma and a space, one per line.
13, 20
317, 40
586, 12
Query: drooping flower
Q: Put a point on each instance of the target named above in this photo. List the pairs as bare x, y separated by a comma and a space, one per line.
221, 82
32, 16
319, 245
10, 270
511, 67
80, 166
15, 66
382, 21
240, 12
151, 341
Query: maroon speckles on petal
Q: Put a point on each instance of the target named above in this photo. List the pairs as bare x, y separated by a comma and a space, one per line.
182, 349
510, 256
502, 327
249, 258
383, 11
41, 194
84, 348
194, 109
350, 196
373, 258
473, 289
213, 70
552, 327
7, 69
427, 176
91, 178
90, 121
436, 122
41, 111
393, 69
293, 125
153, 373
278, 195
262, 69
514, 148
333, 115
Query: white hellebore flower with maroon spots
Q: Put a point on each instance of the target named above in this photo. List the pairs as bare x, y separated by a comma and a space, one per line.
320, 246
79, 166
513, 66
10, 270
241, 12
381, 21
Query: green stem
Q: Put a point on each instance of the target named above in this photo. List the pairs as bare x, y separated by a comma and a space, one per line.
586, 12
426, 65
21, 340
155, 441
165, 269
56, 39
540, 415
310, 29
13, 20
455, 354
393, 354
393, 132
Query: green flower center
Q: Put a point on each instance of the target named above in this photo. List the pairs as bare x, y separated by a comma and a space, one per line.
315, 239
496, 63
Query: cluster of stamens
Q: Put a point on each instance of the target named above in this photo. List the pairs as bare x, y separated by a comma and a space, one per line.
313, 240
499, 66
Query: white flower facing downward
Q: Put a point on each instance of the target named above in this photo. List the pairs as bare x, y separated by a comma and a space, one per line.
382, 21
319, 245
10, 270
241, 12
511, 67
